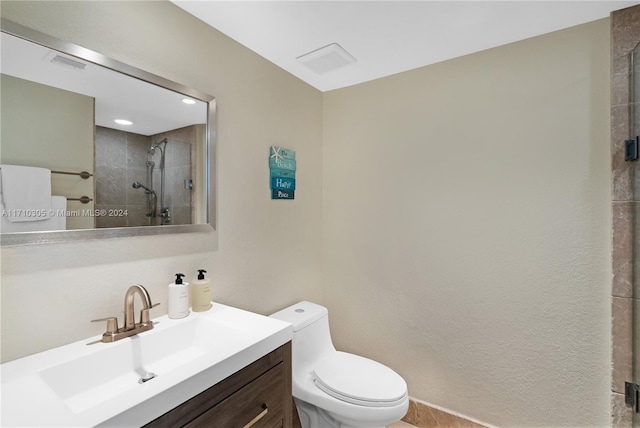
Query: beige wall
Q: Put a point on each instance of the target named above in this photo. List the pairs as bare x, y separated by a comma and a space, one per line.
467, 228
59, 139
462, 212
269, 252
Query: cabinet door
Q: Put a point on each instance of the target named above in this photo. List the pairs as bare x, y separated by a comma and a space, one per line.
259, 405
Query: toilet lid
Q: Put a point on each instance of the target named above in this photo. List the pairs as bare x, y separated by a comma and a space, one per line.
359, 380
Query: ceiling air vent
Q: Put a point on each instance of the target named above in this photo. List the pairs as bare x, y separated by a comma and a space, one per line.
66, 61
327, 58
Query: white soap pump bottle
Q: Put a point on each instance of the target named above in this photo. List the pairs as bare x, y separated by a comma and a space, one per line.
178, 298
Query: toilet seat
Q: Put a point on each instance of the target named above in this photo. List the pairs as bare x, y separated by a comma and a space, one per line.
359, 380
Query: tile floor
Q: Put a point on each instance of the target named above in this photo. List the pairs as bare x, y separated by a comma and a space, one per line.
400, 424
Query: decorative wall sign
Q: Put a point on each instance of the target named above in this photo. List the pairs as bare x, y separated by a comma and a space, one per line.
282, 172
283, 183
282, 194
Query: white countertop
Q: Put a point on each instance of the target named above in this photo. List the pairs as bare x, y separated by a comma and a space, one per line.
50, 389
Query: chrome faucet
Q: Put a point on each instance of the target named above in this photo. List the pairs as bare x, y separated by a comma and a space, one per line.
130, 328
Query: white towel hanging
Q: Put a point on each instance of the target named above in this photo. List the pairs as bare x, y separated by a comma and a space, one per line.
26, 193
58, 220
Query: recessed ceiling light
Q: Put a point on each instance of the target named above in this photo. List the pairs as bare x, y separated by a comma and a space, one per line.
188, 101
123, 122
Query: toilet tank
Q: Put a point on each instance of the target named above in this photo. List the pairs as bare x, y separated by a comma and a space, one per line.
301, 314
311, 335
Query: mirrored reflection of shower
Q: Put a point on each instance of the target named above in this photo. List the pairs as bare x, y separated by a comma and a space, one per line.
151, 194
131, 170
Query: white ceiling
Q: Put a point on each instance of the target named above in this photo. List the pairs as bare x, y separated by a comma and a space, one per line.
386, 37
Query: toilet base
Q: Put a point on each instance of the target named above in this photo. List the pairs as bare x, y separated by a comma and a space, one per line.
314, 417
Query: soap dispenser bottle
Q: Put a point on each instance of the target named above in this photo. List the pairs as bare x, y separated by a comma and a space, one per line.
201, 293
178, 298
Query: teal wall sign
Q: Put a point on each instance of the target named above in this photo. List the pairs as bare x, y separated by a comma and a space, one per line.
282, 194
286, 164
283, 183
282, 172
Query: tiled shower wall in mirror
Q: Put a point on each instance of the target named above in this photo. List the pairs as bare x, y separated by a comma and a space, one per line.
123, 158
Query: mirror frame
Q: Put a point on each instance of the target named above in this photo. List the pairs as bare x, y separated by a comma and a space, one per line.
58, 236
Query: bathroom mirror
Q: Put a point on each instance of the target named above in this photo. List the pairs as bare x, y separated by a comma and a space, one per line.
152, 176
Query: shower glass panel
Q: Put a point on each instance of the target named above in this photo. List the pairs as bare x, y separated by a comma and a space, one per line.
635, 169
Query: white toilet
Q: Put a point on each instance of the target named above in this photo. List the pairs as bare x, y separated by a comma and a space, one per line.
334, 389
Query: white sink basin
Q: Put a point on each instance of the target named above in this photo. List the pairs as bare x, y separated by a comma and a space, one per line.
80, 385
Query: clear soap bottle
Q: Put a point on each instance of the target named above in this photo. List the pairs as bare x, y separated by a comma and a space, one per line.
178, 298
201, 293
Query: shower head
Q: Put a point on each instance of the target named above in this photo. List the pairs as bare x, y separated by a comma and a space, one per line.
137, 185
156, 145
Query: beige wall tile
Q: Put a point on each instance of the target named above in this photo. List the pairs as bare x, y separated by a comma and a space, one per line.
621, 342
620, 73
625, 28
622, 249
635, 255
621, 416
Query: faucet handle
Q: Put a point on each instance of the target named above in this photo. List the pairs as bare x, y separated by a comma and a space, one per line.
144, 314
112, 324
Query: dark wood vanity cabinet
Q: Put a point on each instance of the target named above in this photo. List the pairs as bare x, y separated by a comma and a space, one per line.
258, 396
